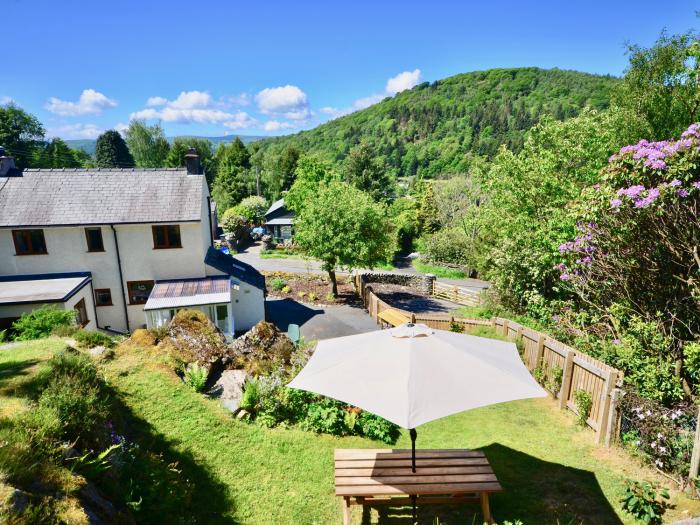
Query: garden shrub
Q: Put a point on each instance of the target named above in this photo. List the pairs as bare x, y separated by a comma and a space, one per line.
65, 330
645, 501
554, 380
456, 327
91, 339
41, 322
583, 402
195, 376
326, 416
143, 338
375, 427
277, 284
659, 435
251, 395
312, 296
286, 289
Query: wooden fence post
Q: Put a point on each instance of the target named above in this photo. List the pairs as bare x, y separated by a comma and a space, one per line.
566, 378
612, 425
505, 328
606, 401
540, 350
695, 458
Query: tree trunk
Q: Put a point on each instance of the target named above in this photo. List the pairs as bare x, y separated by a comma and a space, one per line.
334, 283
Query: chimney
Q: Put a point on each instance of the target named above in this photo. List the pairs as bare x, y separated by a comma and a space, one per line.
7, 165
192, 162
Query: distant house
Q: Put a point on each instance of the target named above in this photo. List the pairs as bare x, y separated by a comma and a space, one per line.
279, 222
124, 248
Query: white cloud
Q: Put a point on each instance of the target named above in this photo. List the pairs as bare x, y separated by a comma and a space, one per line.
156, 101
191, 100
91, 102
276, 125
193, 106
403, 81
121, 127
365, 102
243, 99
285, 101
75, 131
240, 120
6, 100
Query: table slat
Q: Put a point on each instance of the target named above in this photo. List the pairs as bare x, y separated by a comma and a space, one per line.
407, 471
414, 479
435, 488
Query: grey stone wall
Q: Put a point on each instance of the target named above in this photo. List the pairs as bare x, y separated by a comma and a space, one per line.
422, 283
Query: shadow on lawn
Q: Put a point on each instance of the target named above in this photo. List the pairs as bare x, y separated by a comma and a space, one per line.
206, 500
164, 484
534, 491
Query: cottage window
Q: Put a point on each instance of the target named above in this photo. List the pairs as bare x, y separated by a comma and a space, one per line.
94, 239
81, 316
29, 242
166, 236
139, 291
103, 297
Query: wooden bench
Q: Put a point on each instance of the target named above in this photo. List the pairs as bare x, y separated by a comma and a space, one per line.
384, 477
393, 317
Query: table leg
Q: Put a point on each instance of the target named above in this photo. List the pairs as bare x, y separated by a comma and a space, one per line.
346, 510
485, 508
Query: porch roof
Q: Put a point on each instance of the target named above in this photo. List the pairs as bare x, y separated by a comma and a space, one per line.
42, 288
179, 293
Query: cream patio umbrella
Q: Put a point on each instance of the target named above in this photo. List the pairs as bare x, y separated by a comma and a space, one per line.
412, 374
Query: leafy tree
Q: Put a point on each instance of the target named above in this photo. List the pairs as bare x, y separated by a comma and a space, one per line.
662, 83
343, 227
233, 181
112, 152
288, 165
234, 224
365, 172
180, 147
428, 221
311, 172
20, 134
524, 218
252, 208
147, 144
634, 262
404, 217
56, 154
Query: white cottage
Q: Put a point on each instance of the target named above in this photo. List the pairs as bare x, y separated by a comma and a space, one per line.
124, 248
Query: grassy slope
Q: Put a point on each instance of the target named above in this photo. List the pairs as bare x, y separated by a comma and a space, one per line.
549, 468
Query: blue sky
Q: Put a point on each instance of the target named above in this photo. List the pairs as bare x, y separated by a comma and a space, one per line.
267, 68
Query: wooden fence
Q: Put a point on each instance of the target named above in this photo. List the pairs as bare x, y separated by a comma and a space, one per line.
560, 367
456, 294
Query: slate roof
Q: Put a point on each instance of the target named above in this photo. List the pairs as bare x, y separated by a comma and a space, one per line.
57, 197
274, 207
234, 267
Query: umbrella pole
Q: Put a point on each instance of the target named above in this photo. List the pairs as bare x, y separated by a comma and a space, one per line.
412, 432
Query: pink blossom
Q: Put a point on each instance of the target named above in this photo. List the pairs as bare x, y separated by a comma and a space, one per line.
615, 203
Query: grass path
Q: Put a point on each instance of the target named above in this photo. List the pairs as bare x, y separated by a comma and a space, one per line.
551, 470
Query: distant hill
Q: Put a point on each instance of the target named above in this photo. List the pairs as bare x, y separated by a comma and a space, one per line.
432, 128
88, 145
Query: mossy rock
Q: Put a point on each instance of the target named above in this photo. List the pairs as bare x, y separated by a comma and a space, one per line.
196, 338
142, 338
260, 350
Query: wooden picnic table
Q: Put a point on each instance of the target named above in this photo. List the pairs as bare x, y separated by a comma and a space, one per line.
384, 476
393, 317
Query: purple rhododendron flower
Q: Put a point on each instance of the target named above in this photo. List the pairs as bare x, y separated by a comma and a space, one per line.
632, 191
682, 192
565, 277
674, 183
615, 203
696, 184
652, 195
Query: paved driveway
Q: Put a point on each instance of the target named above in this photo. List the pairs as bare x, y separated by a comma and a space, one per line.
319, 322
251, 255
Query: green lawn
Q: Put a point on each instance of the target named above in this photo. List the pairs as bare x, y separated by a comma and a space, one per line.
551, 470
438, 271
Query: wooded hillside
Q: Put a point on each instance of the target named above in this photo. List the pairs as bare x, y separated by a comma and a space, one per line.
432, 128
